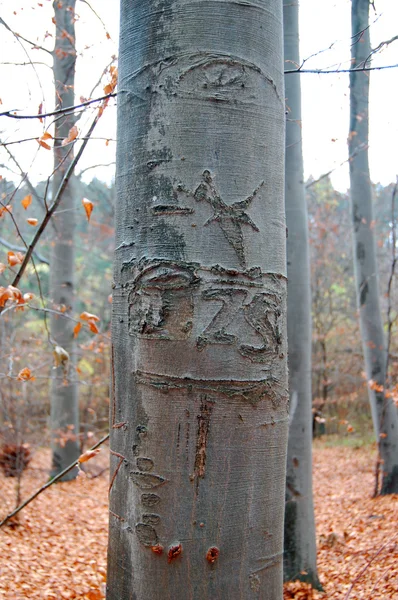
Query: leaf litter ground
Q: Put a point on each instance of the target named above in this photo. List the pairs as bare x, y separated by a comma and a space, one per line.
57, 548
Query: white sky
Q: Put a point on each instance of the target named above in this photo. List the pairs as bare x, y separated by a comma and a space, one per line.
323, 24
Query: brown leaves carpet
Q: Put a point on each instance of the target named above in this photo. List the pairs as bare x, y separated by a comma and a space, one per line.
57, 548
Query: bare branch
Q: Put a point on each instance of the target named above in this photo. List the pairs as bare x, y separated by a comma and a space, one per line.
21, 37
49, 483
12, 114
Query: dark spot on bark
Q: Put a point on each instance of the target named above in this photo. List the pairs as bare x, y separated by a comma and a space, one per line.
295, 462
212, 554
363, 293
361, 252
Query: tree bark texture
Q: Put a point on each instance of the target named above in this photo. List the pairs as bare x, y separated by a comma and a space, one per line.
300, 542
64, 392
199, 417
384, 411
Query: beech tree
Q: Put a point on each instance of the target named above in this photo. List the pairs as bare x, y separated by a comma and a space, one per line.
299, 542
64, 391
384, 412
199, 417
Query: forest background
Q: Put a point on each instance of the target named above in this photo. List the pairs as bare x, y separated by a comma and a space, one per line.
339, 385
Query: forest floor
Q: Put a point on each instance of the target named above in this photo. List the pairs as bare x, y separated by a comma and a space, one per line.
57, 548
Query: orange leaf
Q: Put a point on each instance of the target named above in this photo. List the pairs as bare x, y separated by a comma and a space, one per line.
108, 37
76, 329
46, 136
25, 375
32, 221
27, 201
88, 207
4, 209
87, 455
383, 435
28, 296
93, 327
14, 258
72, 135
86, 316
44, 145
108, 89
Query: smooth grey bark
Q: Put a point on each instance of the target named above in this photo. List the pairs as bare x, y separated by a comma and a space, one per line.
299, 540
384, 412
64, 392
199, 417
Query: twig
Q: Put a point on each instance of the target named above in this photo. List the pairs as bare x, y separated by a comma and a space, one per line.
329, 71
55, 204
368, 563
60, 111
49, 483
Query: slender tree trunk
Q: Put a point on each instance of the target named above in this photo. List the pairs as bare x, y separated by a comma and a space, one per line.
383, 409
64, 393
300, 543
199, 417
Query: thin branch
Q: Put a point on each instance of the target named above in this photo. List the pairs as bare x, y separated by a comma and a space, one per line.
329, 71
368, 563
21, 37
55, 203
61, 111
24, 176
110, 164
356, 151
4, 242
49, 483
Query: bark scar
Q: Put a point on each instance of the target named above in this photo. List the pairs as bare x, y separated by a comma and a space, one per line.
201, 439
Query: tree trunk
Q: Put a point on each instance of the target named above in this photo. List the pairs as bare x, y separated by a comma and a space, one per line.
300, 543
383, 409
199, 417
64, 392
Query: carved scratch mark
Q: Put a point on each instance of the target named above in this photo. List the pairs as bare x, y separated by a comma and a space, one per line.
121, 459
229, 217
202, 435
250, 391
171, 209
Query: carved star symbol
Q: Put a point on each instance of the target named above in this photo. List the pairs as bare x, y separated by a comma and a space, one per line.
229, 217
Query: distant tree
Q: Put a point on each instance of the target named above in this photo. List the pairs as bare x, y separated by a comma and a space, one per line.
64, 389
383, 408
299, 542
199, 416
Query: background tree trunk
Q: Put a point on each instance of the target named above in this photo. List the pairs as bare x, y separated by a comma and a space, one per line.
366, 276
300, 542
64, 392
199, 413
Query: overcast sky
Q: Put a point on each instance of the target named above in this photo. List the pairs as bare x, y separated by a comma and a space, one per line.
325, 26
